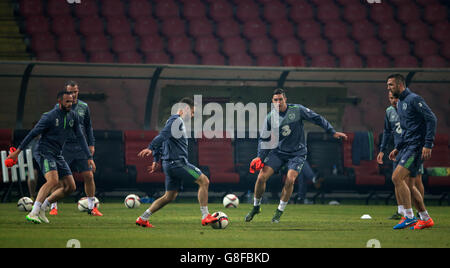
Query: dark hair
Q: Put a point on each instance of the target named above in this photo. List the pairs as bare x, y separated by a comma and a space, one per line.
61, 94
399, 79
279, 91
187, 101
71, 83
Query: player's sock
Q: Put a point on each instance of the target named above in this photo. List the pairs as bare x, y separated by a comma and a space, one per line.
91, 202
204, 211
54, 205
401, 210
424, 215
282, 205
256, 201
409, 213
36, 208
146, 215
45, 204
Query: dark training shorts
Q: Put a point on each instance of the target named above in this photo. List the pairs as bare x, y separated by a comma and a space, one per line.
410, 158
48, 162
277, 160
178, 170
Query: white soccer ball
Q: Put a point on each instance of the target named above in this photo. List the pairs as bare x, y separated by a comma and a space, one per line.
231, 201
223, 220
132, 201
25, 204
83, 204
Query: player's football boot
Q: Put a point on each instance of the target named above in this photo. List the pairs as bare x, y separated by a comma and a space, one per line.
405, 223
33, 218
141, 222
255, 210
423, 224
94, 212
209, 219
42, 216
277, 216
54, 212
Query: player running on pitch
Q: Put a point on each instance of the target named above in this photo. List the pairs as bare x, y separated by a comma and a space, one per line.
171, 145
73, 153
285, 123
418, 124
392, 129
54, 127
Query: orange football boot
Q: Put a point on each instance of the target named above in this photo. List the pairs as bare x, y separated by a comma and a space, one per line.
209, 219
423, 224
145, 224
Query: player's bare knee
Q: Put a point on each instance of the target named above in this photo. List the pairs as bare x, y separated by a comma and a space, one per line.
203, 181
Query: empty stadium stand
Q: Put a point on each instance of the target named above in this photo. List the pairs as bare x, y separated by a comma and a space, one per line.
373, 34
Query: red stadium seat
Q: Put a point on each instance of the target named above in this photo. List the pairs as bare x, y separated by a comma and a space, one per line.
441, 31
91, 26
57, 8
378, 61
37, 24
43, 42
317, 46
301, 11
139, 9
247, 11
335, 29
200, 27
220, 10
6, 139
434, 61
135, 141
228, 28
73, 56
408, 13
179, 44
406, 61
173, 27
96, 43
194, 10
123, 43
288, 46
157, 58
328, 12
274, 11
129, 57
389, 30
426, 47
118, 25
31, 7
206, 45
308, 29
397, 47
234, 45
370, 47
152, 43
435, 13
416, 31
68, 42
445, 50
145, 26
281, 29
185, 58
166, 9
268, 60
381, 13
262, 45
324, 60
350, 61
63, 25
48, 56
217, 154
112, 8
101, 57
254, 28
213, 59
241, 59
363, 30
86, 9
343, 46
355, 13
295, 60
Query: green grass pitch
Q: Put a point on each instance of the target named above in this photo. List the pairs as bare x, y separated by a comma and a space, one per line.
178, 225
